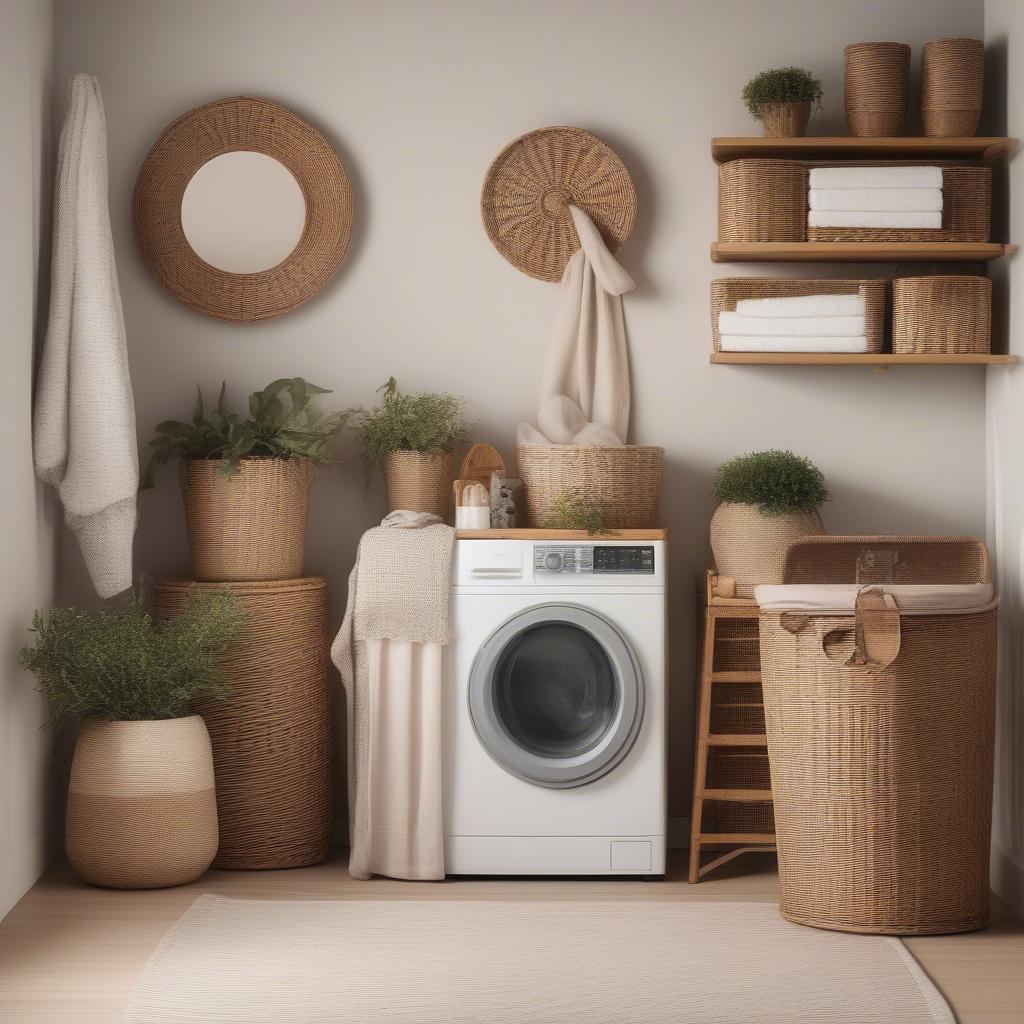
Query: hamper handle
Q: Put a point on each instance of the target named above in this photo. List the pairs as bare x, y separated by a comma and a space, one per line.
877, 633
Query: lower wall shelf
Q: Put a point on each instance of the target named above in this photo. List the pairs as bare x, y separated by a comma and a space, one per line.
880, 359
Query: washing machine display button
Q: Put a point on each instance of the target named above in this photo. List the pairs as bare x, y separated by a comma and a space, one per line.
550, 558
553, 561
632, 560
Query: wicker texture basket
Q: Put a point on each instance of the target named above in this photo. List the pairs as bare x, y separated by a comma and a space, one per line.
876, 80
762, 201
942, 315
421, 483
272, 733
785, 120
881, 766
952, 83
727, 291
250, 525
624, 480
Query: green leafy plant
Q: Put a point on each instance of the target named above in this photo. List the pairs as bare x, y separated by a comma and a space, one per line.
284, 422
573, 510
425, 422
782, 85
120, 665
775, 481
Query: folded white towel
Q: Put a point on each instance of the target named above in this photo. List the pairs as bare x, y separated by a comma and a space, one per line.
790, 343
798, 326
804, 305
902, 199
876, 177
872, 219
841, 598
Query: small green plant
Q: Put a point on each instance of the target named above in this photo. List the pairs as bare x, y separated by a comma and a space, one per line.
782, 85
284, 422
122, 666
426, 422
775, 481
573, 510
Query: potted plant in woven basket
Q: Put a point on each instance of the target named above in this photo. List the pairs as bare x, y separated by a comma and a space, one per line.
246, 481
766, 499
141, 811
783, 99
413, 437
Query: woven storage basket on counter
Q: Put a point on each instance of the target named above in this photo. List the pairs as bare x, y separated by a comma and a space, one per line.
952, 83
762, 201
250, 525
625, 480
876, 84
727, 291
271, 733
942, 315
420, 483
880, 737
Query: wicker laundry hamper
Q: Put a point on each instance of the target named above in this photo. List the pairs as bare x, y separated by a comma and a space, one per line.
880, 717
271, 733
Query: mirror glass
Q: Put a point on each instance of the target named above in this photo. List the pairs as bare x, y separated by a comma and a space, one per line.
243, 212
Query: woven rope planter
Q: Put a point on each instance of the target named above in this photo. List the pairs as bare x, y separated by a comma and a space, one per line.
624, 480
762, 201
420, 483
876, 81
141, 808
528, 188
225, 126
785, 120
250, 525
952, 82
272, 732
942, 315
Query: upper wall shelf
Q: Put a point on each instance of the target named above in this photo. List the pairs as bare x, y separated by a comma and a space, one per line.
845, 148
858, 252
879, 359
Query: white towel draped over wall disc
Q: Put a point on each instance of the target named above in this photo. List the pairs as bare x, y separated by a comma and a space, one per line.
84, 429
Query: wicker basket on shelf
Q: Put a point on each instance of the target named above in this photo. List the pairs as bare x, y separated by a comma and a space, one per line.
762, 201
942, 315
726, 292
952, 81
624, 480
876, 80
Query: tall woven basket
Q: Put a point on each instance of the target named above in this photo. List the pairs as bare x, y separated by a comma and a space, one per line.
952, 81
271, 734
880, 737
876, 80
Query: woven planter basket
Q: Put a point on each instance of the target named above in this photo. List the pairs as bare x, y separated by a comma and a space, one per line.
762, 201
942, 315
876, 81
271, 734
141, 807
624, 480
420, 483
952, 83
727, 291
882, 772
785, 120
248, 526
749, 546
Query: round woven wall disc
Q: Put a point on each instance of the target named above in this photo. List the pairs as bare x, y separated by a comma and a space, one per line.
529, 187
226, 126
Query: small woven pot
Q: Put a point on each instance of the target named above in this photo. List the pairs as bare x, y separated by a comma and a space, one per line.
250, 525
952, 82
420, 483
142, 813
945, 315
876, 80
749, 546
785, 120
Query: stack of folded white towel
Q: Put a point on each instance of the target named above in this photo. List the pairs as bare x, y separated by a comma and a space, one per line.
875, 197
801, 323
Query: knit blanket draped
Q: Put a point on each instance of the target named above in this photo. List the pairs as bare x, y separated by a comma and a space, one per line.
84, 419
390, 652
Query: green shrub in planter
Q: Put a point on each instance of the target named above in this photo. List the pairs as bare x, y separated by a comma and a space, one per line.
783, 99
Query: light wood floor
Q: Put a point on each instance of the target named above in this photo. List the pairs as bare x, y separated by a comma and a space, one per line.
71, 953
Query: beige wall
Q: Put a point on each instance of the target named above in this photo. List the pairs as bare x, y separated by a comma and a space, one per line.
27, 540
418, 98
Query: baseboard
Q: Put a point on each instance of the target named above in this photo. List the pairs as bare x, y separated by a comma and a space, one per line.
1008, 880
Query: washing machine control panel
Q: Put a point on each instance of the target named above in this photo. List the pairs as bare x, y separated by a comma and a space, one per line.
593, 559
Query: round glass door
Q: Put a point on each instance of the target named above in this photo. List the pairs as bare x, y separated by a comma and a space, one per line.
556, 695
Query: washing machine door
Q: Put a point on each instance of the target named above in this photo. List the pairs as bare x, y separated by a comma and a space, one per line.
556, 695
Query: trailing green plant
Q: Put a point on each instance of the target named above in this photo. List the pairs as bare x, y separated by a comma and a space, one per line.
285, 421
775, 481
782, 85
427, 422
573, 510
123, 666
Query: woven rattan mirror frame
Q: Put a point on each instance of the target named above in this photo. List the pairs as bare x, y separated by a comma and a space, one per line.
225, 126
526, 194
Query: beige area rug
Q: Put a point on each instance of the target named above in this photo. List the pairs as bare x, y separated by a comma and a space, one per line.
256, 962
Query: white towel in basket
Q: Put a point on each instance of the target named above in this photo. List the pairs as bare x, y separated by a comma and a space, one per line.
804, 305
808, 326
872, 219
900, 199
789, 343
875, 177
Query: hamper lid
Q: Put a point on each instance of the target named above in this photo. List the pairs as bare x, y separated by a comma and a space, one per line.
910, 599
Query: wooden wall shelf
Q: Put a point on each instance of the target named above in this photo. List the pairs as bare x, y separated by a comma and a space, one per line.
987, 148
859, 252
879, 359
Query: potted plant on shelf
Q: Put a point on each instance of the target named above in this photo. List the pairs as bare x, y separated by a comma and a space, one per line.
246, 481
141, 810
783, 99
413, 437
766, 499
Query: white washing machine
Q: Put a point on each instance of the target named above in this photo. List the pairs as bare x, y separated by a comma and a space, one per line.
556, 708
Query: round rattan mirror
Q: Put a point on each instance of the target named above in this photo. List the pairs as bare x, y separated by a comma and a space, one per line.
321, 216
